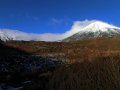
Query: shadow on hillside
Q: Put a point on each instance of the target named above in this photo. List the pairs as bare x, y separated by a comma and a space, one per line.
10, 51
20, 68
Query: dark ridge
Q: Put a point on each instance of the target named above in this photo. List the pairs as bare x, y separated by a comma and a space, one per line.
10, 51
22, 69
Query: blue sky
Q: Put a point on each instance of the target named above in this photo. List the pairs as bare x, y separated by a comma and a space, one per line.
55, 16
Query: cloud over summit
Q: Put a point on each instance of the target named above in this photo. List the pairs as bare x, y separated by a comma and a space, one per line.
18, 35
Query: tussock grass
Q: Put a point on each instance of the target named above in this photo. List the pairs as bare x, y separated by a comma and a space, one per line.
92, 64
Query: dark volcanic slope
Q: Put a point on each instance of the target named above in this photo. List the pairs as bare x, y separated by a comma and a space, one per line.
10, 51
18, 66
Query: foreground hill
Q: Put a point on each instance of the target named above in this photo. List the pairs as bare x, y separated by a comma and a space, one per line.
92, 64
71, 51
101, 74
19, 68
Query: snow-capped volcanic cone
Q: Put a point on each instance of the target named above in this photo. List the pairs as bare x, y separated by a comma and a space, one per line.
93, 30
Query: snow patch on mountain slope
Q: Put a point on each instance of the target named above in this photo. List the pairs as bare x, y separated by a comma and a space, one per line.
6, 34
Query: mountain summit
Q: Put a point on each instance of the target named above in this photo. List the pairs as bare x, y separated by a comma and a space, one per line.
94, 29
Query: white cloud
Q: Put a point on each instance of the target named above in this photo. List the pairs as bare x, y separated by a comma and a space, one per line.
55, 22
77, 26
18, 35
49, 37
59, 22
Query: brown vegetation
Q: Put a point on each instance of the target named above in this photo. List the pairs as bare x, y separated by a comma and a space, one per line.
90, 64
71, 51
100, 74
